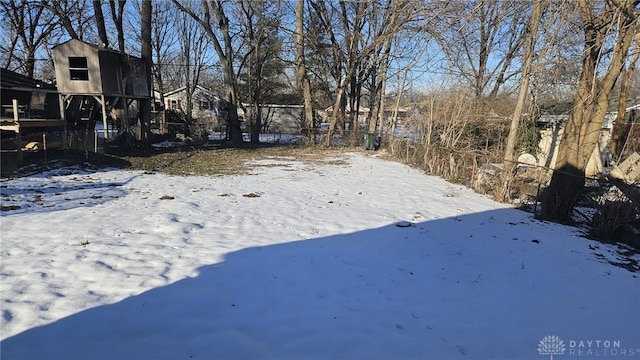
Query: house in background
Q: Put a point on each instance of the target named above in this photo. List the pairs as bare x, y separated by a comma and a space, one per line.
99, 84
625, 137
207, 105
389, 115
209, 108
282, 119
553, 127
549, 146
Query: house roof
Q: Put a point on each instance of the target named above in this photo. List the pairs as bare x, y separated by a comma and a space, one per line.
364, 109
11, 80
559, 108
198, 87
633, 107
565, 108
95, 47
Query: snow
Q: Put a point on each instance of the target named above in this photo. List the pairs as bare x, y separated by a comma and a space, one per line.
355, 257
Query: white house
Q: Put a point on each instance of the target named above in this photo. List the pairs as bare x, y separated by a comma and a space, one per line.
207, 106
285, 119
364, 113
551, 136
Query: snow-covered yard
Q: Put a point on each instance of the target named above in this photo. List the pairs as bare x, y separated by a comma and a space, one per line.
299, 260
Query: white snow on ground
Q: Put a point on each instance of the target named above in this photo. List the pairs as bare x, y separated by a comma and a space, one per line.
298, 261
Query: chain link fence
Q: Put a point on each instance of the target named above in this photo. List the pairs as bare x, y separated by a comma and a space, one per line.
608, 210
42, 146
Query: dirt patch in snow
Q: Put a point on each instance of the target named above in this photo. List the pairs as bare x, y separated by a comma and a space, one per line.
204, 159
216, 161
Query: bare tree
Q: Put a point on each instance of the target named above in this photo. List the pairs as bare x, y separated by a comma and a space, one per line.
193, 45
379, 66
117, 16
116, 8
609, 28
146, 52
403, 80
338, 58
99, 16
353, 38
74, 16
302, 78
7, 50
557, 67
529, 52
65, 17
625, 85
216, 25
31, 23
319, 58
260, 64
480, 40
403, 41
163, 39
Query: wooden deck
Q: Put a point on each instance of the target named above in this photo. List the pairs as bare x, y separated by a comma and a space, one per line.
12, 125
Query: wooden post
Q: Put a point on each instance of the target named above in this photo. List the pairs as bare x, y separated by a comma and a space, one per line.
126, 115
105, 129
63, 108
16, 119
44, 145
163, 127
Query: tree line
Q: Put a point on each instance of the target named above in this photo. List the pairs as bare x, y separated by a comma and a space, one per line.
462, 64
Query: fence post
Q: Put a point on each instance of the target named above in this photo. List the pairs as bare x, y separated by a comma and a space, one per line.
16, 118
44, 145
407, 145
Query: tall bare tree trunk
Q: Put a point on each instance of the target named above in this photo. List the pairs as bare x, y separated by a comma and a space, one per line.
377, 108
229, 77
7, 62
336, 109
64, 18
225, 55
510, 151
396, 106
117, 16
304, 84
102, 30
625, 77
351, 60
147, 57
584, 125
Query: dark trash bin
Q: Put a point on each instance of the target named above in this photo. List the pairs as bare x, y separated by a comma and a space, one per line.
371, 141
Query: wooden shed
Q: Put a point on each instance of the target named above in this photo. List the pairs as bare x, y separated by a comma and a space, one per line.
97, 83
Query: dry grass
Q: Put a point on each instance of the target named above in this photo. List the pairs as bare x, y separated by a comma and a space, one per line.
223, 161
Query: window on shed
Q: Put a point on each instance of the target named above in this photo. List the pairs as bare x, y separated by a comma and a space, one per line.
78, 69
